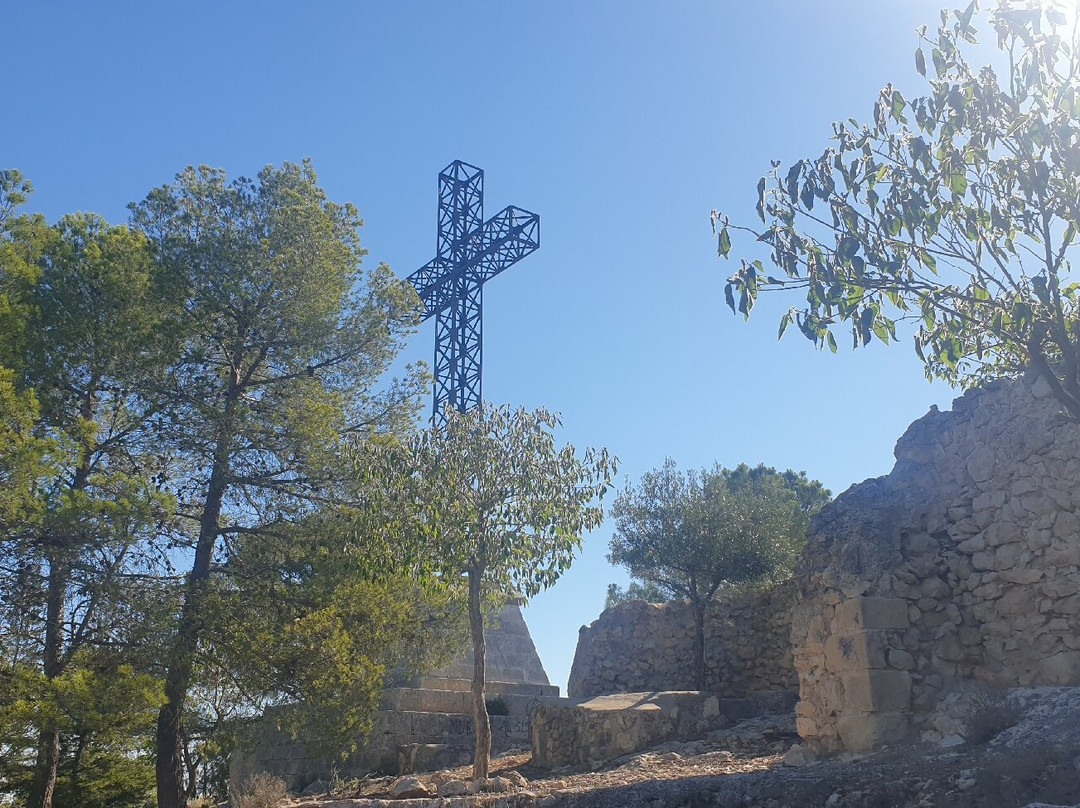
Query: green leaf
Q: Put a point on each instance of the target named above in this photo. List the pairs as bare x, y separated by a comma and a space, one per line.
761, 199
920, 62
965, 17
958, 183
724, 246
729, 297
785, 321
793, 181
898, 104
940, 65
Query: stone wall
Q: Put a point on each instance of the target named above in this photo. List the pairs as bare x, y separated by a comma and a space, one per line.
960, 568
399, 743
638, 646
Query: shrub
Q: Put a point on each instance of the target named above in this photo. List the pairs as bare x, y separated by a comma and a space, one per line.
262, 790
992, 714
497, 706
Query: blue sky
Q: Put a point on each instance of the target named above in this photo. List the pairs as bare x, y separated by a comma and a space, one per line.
622, 123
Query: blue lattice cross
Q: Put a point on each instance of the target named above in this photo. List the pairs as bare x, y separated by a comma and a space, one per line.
470, 252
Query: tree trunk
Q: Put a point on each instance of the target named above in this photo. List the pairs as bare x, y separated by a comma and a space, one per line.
53, 663
699, 643
48, 752
482, 759
76, 767
48, 758
169, 768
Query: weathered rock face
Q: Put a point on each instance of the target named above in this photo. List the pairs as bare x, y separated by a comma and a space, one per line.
962, 565
638, 646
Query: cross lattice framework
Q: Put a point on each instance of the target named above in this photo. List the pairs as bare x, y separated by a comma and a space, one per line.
470, 252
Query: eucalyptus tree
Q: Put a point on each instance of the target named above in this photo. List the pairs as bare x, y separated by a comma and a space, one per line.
485, 500
691, 533
957, 210
283, 340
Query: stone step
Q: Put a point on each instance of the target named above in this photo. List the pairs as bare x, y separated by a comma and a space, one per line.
491, 687
393, 728
455, 701
427, 757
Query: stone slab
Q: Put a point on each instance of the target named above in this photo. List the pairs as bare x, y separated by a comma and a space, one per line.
855, 650
886, 691
491, 687
865, 732
607, 727
454, 701
869, 612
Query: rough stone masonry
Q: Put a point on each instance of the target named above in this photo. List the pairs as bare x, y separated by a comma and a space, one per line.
959, 569
637, 646
958, 572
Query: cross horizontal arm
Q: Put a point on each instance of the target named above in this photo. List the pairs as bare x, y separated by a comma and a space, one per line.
430, 284
505, 239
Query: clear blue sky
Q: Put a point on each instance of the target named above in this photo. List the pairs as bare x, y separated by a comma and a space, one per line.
622, 123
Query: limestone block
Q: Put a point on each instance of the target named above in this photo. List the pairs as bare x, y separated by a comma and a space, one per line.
917, 544
1068, 606
981, 464
1060, 587
936, 588
973, 545
806, 708
855, 651
1017, 601
1021, 576
885, 691
988, 501
960, 565
1063, 553
1066, 525
873, 612
949, 647
865, 732
970, 635
900, 659
1062, 668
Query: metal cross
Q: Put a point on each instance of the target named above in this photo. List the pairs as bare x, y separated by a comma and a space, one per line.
470, 252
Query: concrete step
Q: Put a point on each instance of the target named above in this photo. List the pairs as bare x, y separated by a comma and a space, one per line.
455, 701
491, 687
393, 728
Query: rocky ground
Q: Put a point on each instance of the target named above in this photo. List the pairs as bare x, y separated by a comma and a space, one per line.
1028, 755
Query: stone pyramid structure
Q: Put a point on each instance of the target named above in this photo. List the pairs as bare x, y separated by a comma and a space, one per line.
429, 724
511, 655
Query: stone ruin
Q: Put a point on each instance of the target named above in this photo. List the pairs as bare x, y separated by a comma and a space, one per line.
425, 726
956, 574
960, 570
639, 647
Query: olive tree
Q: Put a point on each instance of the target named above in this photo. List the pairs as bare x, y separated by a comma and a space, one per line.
486, 497
690, 533
957, 210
